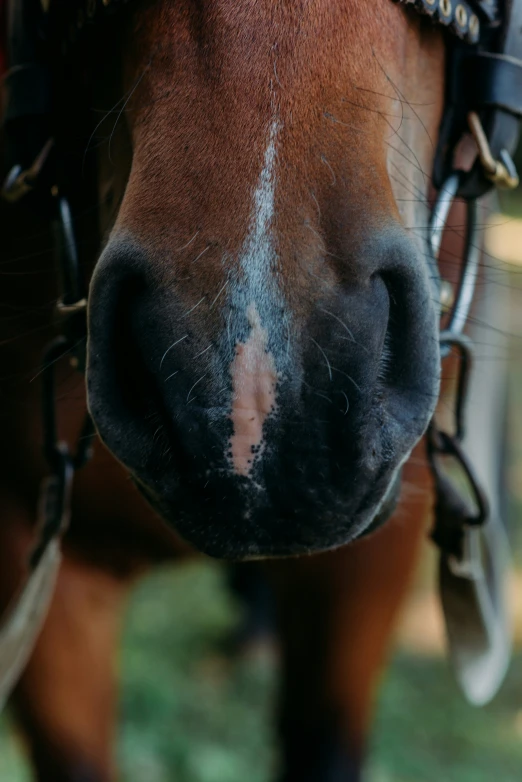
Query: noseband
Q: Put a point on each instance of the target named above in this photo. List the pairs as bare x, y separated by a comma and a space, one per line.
484, 98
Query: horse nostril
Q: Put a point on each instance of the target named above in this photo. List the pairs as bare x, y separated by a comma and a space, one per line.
129, 372
122, 392
407, 366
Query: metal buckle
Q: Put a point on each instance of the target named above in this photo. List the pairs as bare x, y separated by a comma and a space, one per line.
20, 182
503, 173
71, 307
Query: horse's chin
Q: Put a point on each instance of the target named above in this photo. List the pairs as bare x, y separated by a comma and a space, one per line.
251, 534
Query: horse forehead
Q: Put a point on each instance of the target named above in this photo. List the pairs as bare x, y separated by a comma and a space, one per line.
323, 31
221, 84
220, 68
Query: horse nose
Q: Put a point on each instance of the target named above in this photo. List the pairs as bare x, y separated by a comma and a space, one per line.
264, 420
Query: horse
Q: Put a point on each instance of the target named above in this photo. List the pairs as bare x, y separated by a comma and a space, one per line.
263, 351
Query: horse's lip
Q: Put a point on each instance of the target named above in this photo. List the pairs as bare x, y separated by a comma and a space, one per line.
362, 523
387, 507
384, 512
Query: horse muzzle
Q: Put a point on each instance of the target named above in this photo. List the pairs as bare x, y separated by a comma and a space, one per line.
270, 425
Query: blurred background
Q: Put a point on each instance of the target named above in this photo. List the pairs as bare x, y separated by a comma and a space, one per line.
191, 712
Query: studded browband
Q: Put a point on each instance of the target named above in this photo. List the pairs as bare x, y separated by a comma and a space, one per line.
464, 19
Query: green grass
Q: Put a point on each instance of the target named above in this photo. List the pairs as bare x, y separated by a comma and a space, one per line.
186, 708
425, 732
190, 714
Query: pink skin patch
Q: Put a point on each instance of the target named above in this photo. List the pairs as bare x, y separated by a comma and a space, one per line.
254, 379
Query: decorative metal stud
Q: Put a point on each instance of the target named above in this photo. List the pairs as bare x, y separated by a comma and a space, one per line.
458, 15
461, 15
474, 27
428, 7
446, 7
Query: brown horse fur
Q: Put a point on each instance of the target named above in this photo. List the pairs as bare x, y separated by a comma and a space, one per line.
358, 89
261, 219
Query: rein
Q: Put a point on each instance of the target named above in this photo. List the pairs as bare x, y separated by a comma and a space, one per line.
484, 98
24, 617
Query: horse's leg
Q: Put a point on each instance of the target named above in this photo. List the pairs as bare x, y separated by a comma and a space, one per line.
248, 583
336, 614
65, 700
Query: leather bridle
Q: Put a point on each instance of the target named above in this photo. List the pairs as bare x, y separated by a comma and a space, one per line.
484, 98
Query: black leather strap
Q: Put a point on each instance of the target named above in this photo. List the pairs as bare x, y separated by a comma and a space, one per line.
495, 81
28, 91
486, 79
28, 83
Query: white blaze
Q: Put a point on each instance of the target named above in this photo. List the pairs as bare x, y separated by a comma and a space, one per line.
258, 255
253, 370
254, 379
